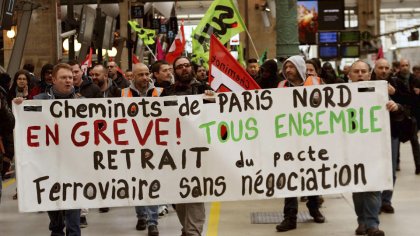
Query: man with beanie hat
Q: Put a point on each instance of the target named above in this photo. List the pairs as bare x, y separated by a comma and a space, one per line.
294, 70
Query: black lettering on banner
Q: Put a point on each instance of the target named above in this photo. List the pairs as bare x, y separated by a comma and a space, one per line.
65, 187
86, 191
186, 108
154, 188
75, 189
56, 188
123, 191
207, 186
53, 114
39, 190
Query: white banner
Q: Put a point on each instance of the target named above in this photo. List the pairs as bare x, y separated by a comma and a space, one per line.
89, 153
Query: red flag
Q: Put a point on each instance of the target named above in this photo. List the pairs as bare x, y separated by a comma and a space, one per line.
226, 74
87, 62
121, 72
380, 53
134, 59
159, 51
177, 46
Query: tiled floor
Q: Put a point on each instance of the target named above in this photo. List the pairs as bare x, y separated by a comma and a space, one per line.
234, 218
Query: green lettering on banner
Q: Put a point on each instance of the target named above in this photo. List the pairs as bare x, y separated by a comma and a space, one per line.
307, 119
207, 127
334, 119
251, 127
319, 123
374, 119
296, 125
278, 125
352, 120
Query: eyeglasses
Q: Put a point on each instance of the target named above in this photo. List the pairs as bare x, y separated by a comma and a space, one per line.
181, 66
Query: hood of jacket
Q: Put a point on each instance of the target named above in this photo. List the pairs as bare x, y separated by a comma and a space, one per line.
149, 87
300, 65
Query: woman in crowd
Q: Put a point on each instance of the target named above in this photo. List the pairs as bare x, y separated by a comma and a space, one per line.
20, 85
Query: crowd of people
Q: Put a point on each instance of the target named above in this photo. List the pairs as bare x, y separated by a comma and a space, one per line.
182, 77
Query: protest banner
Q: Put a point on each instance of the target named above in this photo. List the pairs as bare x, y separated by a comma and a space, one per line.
90, 153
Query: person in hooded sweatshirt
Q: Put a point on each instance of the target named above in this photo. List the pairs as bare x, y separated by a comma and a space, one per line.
268, 77
294, 70
46, 81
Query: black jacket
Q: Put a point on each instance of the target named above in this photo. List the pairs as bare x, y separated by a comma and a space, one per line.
195, 87
7, 124
88, 89
121, 82
404, 93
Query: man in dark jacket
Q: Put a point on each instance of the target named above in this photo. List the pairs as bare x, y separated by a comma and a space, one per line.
83, 87
116, 76
267, 77
405, 95
191, 215
161, 76
62, 88
7, 123
382, 71
109, 89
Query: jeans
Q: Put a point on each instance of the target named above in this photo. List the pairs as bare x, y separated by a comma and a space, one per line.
150, 213
72, 219
395, 146
192, 217
366, 206
291, 206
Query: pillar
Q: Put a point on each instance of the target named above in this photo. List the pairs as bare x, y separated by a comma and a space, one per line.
287, 43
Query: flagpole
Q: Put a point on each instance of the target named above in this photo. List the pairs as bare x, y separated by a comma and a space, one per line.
252, 42
150, 50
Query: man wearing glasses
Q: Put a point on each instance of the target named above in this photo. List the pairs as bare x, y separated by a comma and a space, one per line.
116, 76
191, 215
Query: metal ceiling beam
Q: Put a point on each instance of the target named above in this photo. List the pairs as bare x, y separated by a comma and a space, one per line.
81, 2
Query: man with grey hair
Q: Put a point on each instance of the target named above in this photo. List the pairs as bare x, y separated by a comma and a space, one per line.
367, 204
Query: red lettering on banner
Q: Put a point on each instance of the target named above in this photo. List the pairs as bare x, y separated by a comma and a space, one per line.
160, 132
142, 139
118, 132
54, 136
85, 134
30, 136
99, 128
